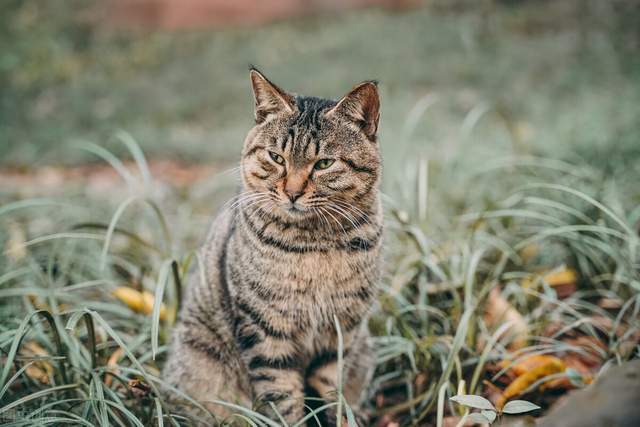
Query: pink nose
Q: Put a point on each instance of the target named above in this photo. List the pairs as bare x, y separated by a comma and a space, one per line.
292, 194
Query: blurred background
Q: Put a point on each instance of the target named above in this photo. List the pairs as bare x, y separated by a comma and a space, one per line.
558, 78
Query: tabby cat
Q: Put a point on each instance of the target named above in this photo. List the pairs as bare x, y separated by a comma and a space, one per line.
298, 248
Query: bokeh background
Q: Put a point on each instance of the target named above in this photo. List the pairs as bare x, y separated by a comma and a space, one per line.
510, 131
556, 77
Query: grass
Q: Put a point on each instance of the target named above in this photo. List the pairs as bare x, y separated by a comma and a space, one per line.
510, 147
514, 220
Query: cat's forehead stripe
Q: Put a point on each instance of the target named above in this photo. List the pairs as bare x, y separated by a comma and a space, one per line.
305, 127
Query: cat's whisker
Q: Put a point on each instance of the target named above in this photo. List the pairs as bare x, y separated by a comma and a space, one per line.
354, 209
335, 219
237, 197
345, 203
260, 208
254, 202
345, 215
241, 200
322, 216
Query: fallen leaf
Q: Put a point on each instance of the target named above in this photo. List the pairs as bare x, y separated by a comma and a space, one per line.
41, 304
528, 363
610, 303
552, 365
140, 302
561, 277
39, 370
498, 311
15, 248
491, 391
563, 280
139, 388
112, 363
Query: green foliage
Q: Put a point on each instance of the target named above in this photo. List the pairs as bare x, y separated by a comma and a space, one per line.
488, 413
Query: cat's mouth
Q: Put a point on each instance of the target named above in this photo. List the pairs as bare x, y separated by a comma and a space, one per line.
294, 208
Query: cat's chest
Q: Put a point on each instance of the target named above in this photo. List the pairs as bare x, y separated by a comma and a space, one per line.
314, 291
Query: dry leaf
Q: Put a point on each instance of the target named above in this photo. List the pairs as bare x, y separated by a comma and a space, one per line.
528, 363
552, 365
112, 364
40, 370
498, 311
575, 362
561, 277
563, 280
140, 302
15, 249
138, 388
610, 303
41, 303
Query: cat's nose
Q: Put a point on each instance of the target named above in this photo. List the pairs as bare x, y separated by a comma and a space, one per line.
293, 195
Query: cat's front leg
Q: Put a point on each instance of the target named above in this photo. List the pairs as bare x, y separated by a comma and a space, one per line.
274, 369
356, 374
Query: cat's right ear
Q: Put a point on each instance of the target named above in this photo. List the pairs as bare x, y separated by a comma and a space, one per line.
269, 98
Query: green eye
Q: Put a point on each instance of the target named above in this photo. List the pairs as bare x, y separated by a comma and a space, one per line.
277, 158
323, 164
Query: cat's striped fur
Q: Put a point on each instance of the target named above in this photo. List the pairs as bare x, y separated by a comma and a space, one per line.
300, 245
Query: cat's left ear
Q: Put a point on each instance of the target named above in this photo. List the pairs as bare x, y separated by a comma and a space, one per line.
269, 98
362, 107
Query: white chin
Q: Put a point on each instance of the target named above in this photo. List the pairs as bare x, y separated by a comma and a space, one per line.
295, 209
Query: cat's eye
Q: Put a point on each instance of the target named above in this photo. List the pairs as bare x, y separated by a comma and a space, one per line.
323, 164
276, 158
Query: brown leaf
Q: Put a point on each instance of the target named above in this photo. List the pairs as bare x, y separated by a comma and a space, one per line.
498, 311
139, 388
39, 370
112, 364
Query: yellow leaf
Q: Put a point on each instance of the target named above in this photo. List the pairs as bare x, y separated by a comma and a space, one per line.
550, 366
561, 277
140, 302
529, 363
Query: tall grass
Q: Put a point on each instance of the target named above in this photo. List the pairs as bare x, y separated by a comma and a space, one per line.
454, 233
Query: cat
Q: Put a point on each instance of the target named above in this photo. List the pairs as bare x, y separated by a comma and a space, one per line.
299, 247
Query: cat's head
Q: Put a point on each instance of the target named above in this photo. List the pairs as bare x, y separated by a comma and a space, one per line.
308, 156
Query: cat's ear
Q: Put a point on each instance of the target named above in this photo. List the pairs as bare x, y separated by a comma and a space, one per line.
269, 98
362, 107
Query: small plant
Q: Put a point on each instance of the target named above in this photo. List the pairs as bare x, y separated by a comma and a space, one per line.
488, 413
